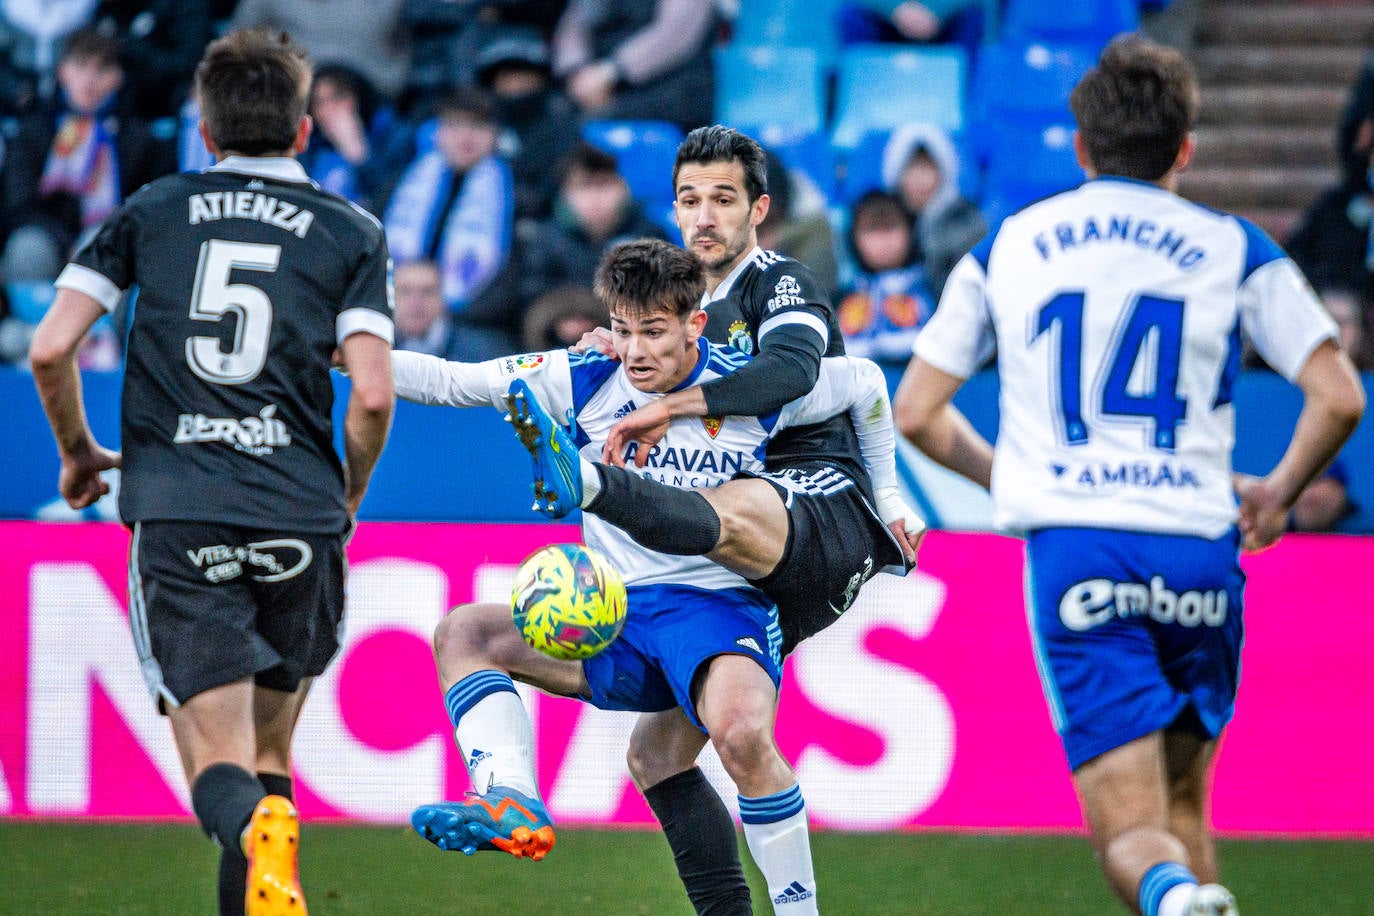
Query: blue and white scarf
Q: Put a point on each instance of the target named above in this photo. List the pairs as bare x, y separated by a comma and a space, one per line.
475, 238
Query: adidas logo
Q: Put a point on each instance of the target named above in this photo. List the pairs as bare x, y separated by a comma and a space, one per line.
795, 892
750, 643
477, 756
623, 409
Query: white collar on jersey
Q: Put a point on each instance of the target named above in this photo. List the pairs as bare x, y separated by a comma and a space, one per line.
281, 168
724, 289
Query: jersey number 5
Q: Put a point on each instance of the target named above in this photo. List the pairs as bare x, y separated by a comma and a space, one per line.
1154, 327
213, 295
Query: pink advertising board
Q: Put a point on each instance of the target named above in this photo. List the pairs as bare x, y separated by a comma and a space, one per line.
920, 710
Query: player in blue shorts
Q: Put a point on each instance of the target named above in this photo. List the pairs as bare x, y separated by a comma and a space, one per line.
699, 637
1116, 312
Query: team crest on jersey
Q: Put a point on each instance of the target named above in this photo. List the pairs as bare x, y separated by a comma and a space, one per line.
712, 425
740, 338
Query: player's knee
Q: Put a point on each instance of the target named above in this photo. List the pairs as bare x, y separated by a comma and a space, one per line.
743, 744
648, 763
463, 634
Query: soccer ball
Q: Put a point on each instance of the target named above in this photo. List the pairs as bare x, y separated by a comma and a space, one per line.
568, 601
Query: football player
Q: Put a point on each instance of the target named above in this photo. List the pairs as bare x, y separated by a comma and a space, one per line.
1116, 312
699, 639
809, 530
249, 276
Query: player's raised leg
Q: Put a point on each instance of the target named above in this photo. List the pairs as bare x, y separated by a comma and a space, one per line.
557, 466
477, 651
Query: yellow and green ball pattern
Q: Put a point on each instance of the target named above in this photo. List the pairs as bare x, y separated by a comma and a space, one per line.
568, 601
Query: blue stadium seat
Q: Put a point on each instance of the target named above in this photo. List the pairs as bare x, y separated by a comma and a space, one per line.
644, 151
808, 152
789, 23
29, 299
1026, 81
1092, 22
1026, 164
881, 86
770, 86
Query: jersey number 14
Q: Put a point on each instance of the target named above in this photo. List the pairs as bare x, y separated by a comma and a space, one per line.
1149, 317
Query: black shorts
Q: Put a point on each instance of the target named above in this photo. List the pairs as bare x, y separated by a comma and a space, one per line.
210, 604
835, 543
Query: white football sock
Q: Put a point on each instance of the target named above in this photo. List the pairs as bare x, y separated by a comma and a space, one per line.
782, 851
497, 742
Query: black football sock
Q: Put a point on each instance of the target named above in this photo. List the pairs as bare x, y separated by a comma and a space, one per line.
223, 797
701, 834
233, 866
662, 518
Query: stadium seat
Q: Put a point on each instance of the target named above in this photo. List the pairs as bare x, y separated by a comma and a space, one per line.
644, 151
863, 166
1026, 164
1091, 22
881, 86
1026, 81
789, 23
807, 152
770, 87
29, 299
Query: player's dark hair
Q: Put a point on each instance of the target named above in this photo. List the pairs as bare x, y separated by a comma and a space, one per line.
719, 143
253, 86
1135, 108
650, 275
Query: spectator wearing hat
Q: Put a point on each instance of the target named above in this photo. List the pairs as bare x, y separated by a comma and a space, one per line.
448, 36
538, 124
921, 166
645, 59
594, 211
455, 205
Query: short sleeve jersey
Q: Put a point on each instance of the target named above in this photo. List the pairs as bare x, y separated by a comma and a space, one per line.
1116, 311
766, 292
248, 275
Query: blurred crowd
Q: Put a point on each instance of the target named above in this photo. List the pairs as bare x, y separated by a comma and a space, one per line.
483, 134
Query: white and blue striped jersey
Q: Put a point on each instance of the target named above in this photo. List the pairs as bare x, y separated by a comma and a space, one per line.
1116, 312
591, 393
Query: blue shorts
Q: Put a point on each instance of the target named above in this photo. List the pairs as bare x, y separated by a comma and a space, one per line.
670, 632
1134, 633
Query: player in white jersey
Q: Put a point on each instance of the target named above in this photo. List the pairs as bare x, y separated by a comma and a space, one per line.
1116, 312
698, 636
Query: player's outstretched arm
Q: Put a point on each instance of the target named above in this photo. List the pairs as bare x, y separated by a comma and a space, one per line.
371, 402
426, 379
926, 415
1333, 402
52, 354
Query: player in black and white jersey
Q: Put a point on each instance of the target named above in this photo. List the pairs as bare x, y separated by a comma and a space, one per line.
808, 532
248, 276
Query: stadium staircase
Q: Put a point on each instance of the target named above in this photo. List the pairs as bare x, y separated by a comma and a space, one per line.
1276, 75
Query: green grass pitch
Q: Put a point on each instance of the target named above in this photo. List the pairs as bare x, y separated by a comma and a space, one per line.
92, 869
